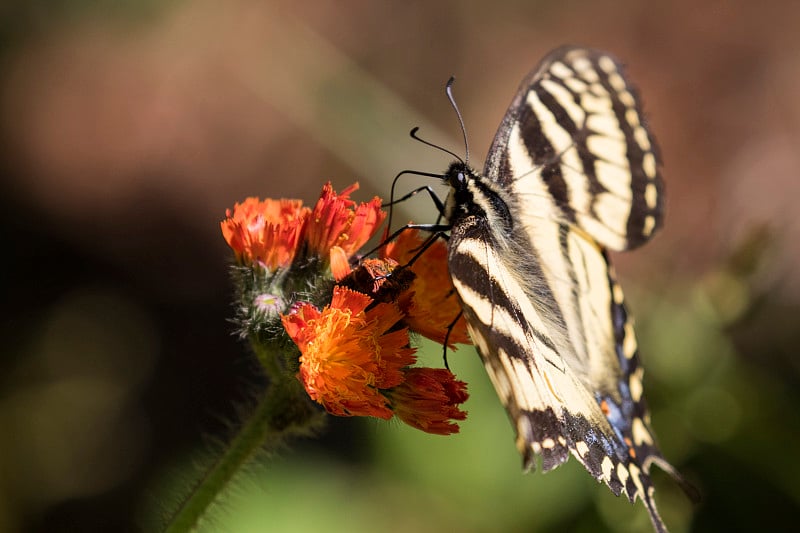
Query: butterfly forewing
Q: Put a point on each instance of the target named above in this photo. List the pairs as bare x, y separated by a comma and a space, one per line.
575, 132
572, 171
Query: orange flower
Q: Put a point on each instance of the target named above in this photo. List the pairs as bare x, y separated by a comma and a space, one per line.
348, 353
430, 304
265, 232
428, 400
334, 222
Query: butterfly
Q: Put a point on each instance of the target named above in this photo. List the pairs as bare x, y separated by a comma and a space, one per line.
572, 173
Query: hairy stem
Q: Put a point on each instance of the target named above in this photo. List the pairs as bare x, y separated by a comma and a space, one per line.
284, 411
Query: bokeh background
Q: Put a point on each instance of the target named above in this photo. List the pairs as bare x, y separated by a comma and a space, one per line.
127, 129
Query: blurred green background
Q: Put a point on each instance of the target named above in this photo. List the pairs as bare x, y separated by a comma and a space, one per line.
128, 127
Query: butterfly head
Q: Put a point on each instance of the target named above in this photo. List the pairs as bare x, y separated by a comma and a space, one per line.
458, 176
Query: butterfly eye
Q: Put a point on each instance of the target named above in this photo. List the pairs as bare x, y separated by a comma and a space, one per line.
457, 179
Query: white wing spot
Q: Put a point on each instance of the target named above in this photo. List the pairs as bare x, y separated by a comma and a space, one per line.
607, 64
607, 466
640, 134
622, 473
649, 225
649, 165
581, 448
618, 84
635, 384
629, 344
624, 96
561, 70
619, 297
582, 65
651, 195
640, 433
548, 443
632, 117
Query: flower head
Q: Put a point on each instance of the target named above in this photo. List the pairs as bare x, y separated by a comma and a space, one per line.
336, 221
428, 399
430, 304
350, 353
265, 233
268, 304
354, 353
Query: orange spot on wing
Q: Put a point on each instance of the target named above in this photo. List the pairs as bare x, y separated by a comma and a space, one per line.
631, 449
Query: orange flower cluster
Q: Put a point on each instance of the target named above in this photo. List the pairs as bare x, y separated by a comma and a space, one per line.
356, 359
356, 362
270, 233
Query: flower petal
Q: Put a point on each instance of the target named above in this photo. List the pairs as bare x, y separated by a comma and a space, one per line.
340, 265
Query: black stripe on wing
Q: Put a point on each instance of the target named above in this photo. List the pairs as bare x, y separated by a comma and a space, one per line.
545, 157
490, 286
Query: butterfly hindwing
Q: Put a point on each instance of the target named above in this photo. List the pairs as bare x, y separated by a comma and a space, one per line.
572, 171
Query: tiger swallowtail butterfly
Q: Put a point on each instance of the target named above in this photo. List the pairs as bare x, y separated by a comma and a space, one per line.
573, 172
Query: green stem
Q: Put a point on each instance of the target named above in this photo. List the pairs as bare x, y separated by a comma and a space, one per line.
284, 411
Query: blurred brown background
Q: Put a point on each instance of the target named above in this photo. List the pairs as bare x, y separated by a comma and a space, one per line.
128, 127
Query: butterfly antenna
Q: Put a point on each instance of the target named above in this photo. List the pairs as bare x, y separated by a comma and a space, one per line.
392, 201
449, 90
428, 143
